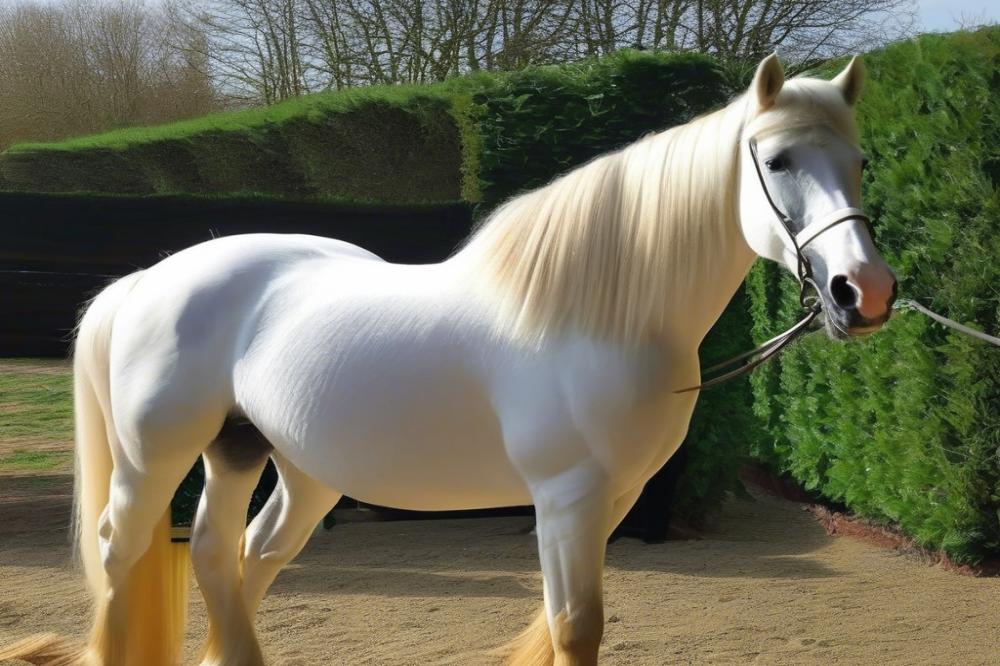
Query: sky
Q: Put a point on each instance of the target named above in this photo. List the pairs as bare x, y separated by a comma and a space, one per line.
948, 15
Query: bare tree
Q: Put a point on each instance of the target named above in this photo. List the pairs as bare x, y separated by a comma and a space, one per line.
356, 42
253, 47
266, 50
91, 65
801, 30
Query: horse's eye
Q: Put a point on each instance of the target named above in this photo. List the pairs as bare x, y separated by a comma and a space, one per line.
776, 164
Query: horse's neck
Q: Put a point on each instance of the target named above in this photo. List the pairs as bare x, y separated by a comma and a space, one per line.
716, 278
717, 257
598, 249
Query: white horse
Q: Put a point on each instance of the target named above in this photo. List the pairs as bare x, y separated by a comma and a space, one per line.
537, 365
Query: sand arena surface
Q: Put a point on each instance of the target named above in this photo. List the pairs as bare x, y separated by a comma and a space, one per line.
765, 585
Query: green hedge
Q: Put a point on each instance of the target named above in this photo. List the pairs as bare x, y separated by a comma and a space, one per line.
723, 427
904, 426
388, 143
384, 144
543, 121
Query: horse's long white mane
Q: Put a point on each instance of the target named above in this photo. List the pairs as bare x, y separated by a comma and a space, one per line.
609, 247
603, 248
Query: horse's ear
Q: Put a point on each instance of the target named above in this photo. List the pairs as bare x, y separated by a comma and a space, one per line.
767, 81
851, 80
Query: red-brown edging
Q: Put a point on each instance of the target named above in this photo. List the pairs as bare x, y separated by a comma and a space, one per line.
836, 523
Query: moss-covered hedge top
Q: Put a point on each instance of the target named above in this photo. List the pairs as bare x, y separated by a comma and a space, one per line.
313, 108
481, 136
540, 122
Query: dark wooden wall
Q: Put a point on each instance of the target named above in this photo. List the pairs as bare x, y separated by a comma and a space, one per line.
57, 251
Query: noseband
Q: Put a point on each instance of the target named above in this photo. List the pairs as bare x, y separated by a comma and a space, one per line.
811, 303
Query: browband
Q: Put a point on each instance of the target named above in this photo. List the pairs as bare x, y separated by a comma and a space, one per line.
814, 229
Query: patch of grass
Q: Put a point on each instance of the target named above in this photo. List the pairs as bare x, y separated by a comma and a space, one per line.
33, 461
36, 402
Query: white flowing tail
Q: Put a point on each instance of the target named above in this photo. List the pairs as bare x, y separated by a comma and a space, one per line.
144, 622
92, 416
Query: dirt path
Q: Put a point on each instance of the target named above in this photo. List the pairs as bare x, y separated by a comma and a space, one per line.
766, 586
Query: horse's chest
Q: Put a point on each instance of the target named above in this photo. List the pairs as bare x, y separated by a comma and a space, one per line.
586, 404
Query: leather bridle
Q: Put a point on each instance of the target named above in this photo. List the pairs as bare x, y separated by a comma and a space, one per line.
806, 235
811, 303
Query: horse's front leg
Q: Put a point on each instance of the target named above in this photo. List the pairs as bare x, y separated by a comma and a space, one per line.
573, 513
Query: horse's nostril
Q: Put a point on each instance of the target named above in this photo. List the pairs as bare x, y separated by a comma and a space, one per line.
843, 293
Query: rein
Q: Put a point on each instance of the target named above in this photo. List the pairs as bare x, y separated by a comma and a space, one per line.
811, 303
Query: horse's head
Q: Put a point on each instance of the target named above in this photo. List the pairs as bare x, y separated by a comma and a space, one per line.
800, 185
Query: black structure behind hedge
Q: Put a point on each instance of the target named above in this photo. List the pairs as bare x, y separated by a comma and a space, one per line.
60, 250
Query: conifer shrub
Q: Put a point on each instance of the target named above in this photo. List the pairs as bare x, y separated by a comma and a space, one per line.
904, 426
543, 121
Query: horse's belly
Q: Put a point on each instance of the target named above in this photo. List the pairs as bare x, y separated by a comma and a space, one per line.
414, 464
385, 414
421, 454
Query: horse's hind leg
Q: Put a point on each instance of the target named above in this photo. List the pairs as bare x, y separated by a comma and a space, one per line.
233, 464
282, 528
140, 617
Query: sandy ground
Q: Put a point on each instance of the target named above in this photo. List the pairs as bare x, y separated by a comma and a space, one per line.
765, 586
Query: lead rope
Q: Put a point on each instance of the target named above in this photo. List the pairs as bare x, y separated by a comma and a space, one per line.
764, 352
950, 323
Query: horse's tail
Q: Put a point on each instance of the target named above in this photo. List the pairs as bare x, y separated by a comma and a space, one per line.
93, 420
157, 583
147, 626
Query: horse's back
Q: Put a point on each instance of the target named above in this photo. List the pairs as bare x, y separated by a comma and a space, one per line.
188, 319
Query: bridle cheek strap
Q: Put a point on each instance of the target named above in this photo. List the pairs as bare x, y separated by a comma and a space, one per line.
814, 229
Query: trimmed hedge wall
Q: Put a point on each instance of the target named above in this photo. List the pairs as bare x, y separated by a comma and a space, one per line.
723, 426
481, 137
543, 121
384, 144
904, 426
